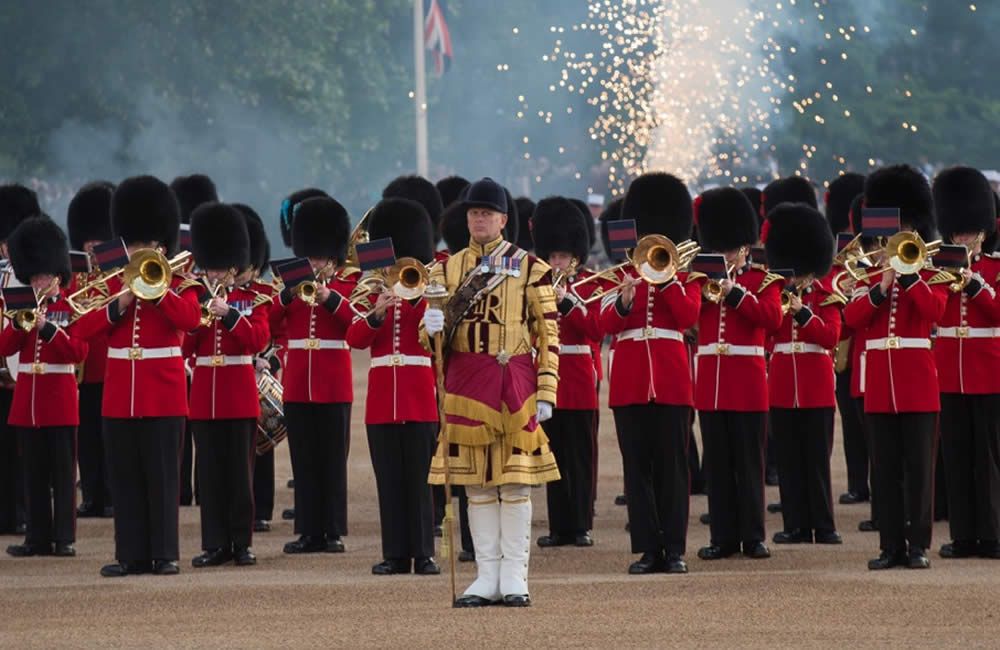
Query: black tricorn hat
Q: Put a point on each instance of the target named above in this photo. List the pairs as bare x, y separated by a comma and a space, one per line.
964, 202
660, 203
38, 245
588, 220
219, 237
88, 217
260, 248
726, 220
525, 210
406, 223
455, 227
144, 209
558, 226
839, 196
451, 188
421, 190
791, 189
612, 212
903, 187
321, 228
799, 238
287, 214
192, 191
17, 203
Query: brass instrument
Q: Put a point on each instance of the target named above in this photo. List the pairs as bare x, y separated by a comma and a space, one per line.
359, 235
27, 319
562, 277
786, 297
906, 253
407, 279
217, 289
147, 275
656, 259
713, 288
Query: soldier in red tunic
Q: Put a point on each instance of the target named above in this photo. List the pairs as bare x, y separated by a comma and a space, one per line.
800, 376
967, 351
731, 378
45, 411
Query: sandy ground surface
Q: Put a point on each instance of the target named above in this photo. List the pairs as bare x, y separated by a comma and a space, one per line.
804, 596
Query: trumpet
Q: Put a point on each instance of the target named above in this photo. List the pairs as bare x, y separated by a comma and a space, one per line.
147, 275
656, 259
713, 288
407, 279
786, 297
562, 277
27, 319
217, 289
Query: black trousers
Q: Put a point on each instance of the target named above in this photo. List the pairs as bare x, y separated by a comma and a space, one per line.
144, 455
401, 457
49, 457
904, 449
855, 445
317, 440
940, 487
694, 461
970, 440
188, 468
94, 481
734, 455
12, 511
804, 441
263, 486
655, 457
859, 405
225, 465
570, 499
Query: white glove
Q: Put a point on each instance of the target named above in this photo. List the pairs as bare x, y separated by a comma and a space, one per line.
433, 321
544, 411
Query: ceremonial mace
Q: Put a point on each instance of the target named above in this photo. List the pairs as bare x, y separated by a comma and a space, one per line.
436, 295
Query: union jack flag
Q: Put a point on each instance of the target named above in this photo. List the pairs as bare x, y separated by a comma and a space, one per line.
437, 38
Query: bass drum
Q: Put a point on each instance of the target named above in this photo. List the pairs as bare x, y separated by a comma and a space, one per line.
271, 429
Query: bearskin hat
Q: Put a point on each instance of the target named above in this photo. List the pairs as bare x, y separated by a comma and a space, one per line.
17, 203
857, 205
88, 217
964, 202
513, 228
660, 204
38, 245
792, 189
455, 227
260, 248
288, 206
799, 238
613, 212
144, 209
726, 220
451, 189
525, 210
192, 191
903, 187
558, 226
588, 220
219, 237
990, 243
838, 200
406, 223
321, 228
755, 196
421, 190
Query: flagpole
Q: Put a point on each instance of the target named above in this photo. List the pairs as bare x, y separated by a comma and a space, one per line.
420, 96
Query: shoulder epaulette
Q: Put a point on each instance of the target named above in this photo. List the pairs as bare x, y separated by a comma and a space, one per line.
941, 277
188, 283
694, 275
834, 299
769, 279
262, 299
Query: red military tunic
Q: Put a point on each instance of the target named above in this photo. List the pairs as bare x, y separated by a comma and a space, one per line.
46, 393
651, 357
579, 348
967, 349
801, 370
900, 373
317, 365
145, 374
224, 385
95, 365
731, 373
402, 385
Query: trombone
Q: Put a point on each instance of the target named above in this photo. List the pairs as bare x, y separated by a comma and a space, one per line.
905, 253
147, 275
656, 259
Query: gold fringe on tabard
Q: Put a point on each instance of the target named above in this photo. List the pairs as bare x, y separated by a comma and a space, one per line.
495, 425
500, 463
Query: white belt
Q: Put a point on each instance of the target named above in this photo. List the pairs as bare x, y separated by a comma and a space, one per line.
647, 333
316, 344
46, 368
224, 360
401, 360
897, 343
799, 348
726, 349
575, 349
968, 332
137, 354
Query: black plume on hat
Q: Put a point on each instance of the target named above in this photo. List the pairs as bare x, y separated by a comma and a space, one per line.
451, 189
455, 227
39, 246
726, 220
660, 203
799, 238
17, 203
260, 247
421, 190
321, 228
287, 214
964, 202
613, 212
525, 210
144, 209
558, 226
903, 187
88, 217
406, 223
842, 191
219, 237
192, 191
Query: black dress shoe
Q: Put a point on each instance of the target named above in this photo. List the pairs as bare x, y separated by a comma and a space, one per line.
290, 484
794, 536
335, 545
466, 556
828, 537
391, 567
851, 498
213, 557
774, 508
715, 552
122, 569
261, 526
705, 519
288, 514
165, 568
650, 562
917, 558
516, 600
675, 564
956, 550
756, 551
868, 526
243, 556
887, 560
583, 539
620, 500
29, 550
87, 509
426, 566
63, 549
473, 601
771, 477
548, 541
989, 549
305, 544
